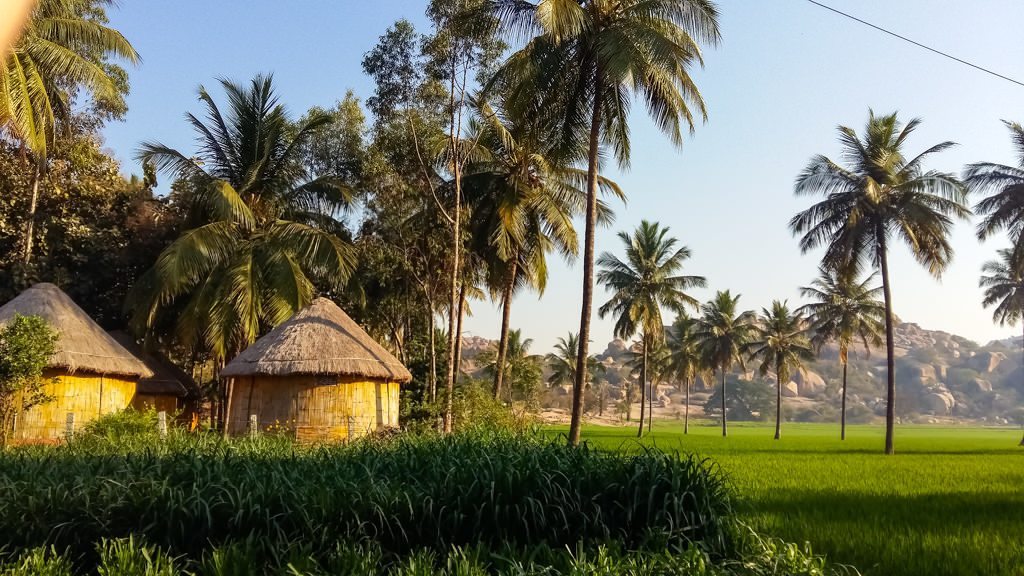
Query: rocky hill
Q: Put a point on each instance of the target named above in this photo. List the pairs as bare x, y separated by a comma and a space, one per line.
939, 377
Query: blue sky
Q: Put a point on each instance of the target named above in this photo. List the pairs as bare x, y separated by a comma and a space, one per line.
786, 73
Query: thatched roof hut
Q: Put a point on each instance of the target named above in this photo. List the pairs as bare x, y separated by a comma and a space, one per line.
92, 374
168, 388
319, 339
83, 345
319, 375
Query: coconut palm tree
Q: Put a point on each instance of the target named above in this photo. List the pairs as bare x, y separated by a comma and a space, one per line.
1003, 281
518, 357
879, 197
642, 284
522, 201
684, 359
780, 343
562, 362
262, 231
1003, 208
60, 50
656, 363
581, 62
721, 335
844, 311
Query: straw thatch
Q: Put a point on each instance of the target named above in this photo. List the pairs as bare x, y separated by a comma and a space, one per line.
319, 339
83, 345
167, 379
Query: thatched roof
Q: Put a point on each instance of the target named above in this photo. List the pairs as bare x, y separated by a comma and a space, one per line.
319, 339
83, 345
167, 379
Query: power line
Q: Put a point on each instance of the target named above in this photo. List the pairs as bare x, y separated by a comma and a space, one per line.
905, 39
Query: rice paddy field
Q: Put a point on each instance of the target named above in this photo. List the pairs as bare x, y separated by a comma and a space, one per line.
950, 502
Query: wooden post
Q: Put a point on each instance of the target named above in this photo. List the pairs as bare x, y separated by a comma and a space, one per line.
229, 387
350, 422
254, 427
69, 426
161, 423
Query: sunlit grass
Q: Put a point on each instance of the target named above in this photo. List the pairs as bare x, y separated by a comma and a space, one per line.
951, 501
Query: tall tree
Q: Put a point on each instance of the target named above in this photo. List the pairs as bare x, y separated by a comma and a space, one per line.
684, 358
460, 52
522, 199
646, 281
1003, 208
844, 311
780, 343
880, 196
583, 62
261, 232
64, 48
1003, 281
722, 333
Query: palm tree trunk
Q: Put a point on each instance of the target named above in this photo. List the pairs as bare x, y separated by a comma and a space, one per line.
458, 331
629, 402
890, 352
26, 256
686, 412
725, 426
1022, 350
778, 405
432, 382
453, 305
842, 413
643, 387
576, 424
506, 315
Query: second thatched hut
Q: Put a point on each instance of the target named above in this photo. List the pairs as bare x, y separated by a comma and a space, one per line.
318, 376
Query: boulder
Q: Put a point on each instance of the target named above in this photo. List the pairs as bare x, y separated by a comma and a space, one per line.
986, 362
808, 383
979, 386
919, 371
791, 389
939, 403
941, 371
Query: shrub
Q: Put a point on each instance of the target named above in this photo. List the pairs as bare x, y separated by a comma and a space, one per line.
26, 345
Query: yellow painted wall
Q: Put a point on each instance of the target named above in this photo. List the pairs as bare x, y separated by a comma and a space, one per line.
86, 395
313, 408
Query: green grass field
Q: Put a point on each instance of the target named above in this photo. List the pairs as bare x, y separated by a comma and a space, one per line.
950, 502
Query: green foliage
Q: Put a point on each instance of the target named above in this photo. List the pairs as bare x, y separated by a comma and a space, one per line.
127, 425
262, 232
38, 562
64, 48
26, 345
475, 406
126, 557
745, 400
95, 232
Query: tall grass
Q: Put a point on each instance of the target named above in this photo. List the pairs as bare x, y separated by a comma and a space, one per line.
412, 492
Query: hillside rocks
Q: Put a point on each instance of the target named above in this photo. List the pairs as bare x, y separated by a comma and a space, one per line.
808, 383
986, 362
940, 403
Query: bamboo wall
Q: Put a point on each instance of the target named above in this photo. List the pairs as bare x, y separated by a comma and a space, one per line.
313, 408
86, 395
